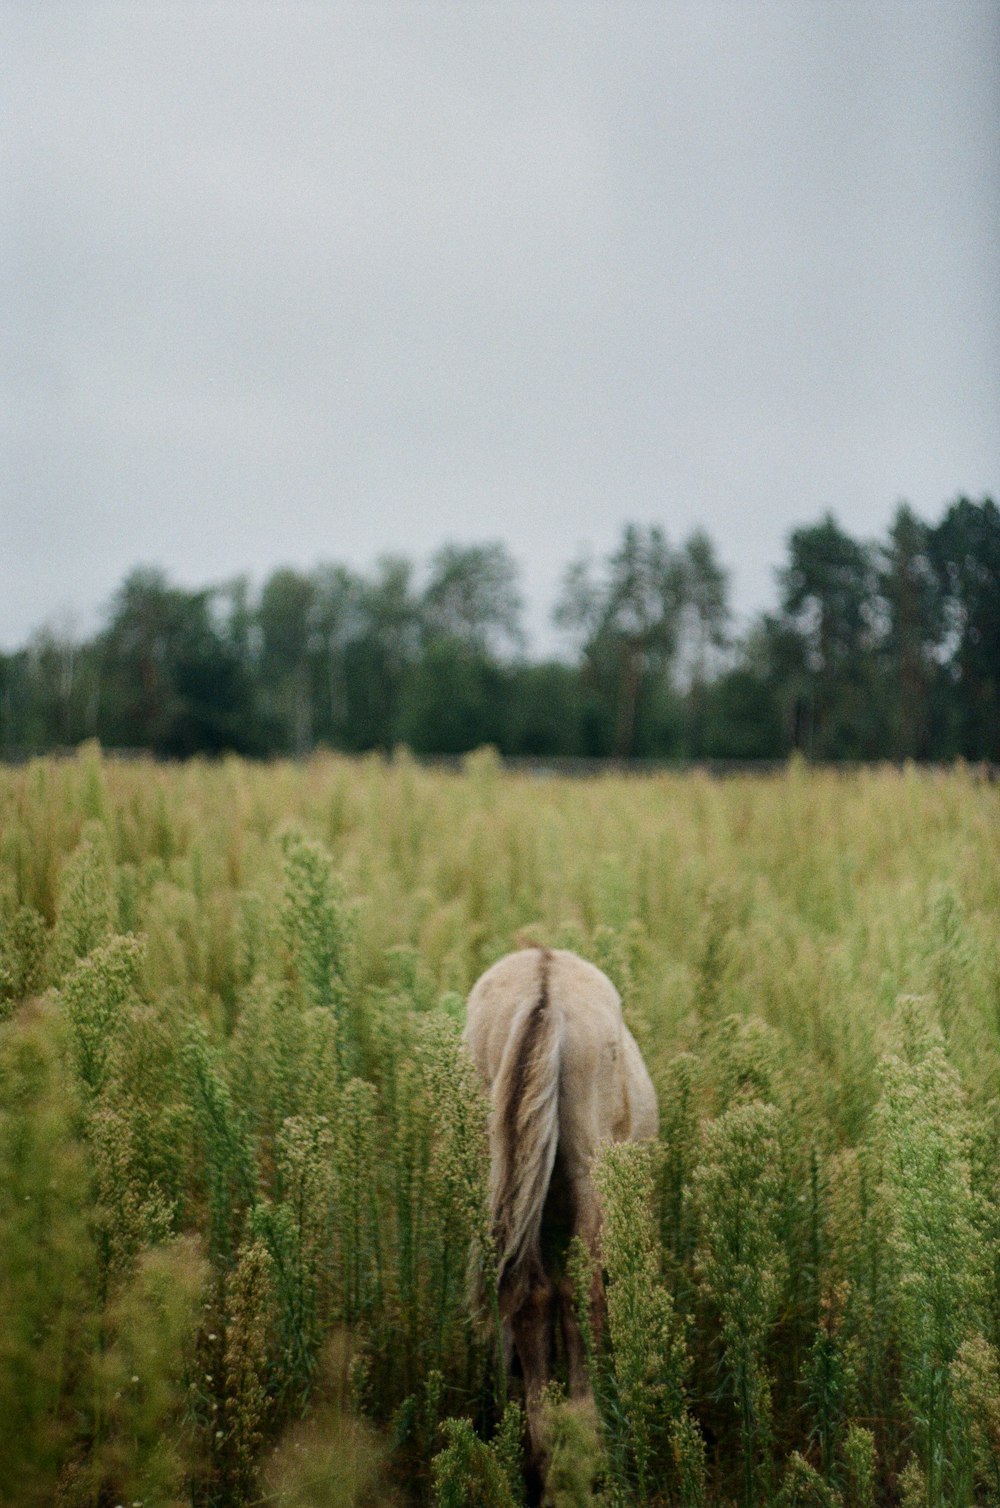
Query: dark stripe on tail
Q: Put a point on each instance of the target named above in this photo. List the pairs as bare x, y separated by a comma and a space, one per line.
526, 1051
524, 1135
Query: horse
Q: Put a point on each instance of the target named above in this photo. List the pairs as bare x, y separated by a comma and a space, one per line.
564, 1074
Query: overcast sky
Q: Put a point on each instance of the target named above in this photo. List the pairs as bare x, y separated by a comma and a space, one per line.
285, 283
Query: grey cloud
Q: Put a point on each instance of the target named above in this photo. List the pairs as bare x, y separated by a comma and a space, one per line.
291, 282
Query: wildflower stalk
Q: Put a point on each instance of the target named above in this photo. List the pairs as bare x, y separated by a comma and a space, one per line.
250, 1302
923, 1131
651, 1437
739, 1193
316, 929
860, 1463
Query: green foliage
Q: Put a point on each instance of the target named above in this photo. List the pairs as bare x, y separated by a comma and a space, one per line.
680, 1139
98, 995
628, 623
250, 1320
296, 1230
580, 1277
140, 1423
315, 925
876, 651
47, 1267
87, 911
454, 701
172, 679
328, 1460
228, 1158
830, 1381
439, 1164
975, 1378
576, 1460
469, 1473
244, 1155
802, 1487
355, 1165
647, 1440
22, 956
827, 587
860, 1464
964, 550
934, 1241
948, 960
739, 1190
132, 1210
912, 1485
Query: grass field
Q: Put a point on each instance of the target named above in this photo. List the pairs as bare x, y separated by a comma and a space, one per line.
242, 1160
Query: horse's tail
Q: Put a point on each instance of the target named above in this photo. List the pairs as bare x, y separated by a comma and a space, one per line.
524, 1134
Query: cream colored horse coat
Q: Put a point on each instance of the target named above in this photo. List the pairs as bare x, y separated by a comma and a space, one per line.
545, 1029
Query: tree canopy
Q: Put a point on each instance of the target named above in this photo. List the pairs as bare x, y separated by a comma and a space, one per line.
875, 649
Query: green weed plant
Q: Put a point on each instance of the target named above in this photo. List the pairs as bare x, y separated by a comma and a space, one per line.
243, 1158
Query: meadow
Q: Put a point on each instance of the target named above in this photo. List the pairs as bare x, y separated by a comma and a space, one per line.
243, 1162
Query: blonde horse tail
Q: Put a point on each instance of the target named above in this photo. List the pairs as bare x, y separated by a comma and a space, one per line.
524, 1133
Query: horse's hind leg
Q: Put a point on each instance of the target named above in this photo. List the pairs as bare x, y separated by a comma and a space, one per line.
586, 1225
531, 1328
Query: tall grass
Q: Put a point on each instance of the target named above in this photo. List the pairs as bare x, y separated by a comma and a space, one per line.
243, 1158
652, 1439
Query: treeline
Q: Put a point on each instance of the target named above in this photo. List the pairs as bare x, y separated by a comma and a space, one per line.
885, 649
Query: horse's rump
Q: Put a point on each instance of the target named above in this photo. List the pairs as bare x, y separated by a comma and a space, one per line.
546, 1031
